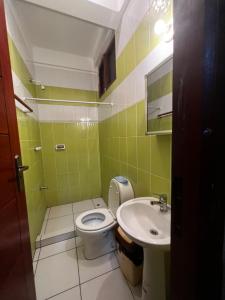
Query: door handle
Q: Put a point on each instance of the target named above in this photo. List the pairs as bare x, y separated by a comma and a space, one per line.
22, 168
19, 173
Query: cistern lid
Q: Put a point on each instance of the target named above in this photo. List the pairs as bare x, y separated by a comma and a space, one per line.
120, 190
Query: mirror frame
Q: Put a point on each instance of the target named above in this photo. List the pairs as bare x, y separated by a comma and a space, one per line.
160, 132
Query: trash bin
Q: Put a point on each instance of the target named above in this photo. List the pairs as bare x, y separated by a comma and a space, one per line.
130, 256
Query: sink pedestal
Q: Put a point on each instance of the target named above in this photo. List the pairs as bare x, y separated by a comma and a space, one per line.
154, 276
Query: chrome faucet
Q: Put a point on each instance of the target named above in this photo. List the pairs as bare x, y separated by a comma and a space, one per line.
162, 202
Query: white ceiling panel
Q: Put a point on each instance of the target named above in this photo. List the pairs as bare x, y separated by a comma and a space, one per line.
48, 29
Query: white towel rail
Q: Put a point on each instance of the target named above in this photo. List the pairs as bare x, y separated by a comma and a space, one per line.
69, 101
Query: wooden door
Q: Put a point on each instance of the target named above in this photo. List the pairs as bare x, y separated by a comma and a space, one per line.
198, 193
16, 272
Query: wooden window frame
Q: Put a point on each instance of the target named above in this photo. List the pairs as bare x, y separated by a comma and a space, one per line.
107, 68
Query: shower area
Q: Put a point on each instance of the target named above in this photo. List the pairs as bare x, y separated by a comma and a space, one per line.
57, 104
64, 164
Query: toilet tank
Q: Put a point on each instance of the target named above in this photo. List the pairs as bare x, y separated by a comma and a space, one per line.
119, 193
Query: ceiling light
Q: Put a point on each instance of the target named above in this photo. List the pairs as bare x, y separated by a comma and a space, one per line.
160, 27
165, 30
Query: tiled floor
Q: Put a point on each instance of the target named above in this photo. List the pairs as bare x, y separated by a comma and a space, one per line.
59, 223
62, 273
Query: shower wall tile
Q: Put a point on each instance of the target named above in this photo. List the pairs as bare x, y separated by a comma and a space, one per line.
74, 174
34, 178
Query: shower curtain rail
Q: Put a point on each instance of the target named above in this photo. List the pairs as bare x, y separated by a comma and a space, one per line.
69, 101
23, 103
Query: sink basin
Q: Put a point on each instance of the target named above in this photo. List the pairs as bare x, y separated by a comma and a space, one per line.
146, 225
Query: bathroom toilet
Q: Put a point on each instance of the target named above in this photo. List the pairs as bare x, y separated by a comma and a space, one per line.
96, 226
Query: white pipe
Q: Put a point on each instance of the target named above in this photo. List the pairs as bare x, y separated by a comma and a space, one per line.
69, 101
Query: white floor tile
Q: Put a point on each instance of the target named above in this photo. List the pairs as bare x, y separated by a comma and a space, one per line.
60, 211
90, 269
99, 203
109, 286
73, 294
56, 274
79, 241
136, 291
43, 227
57, 248
59, 225
36, 254
34, 266
74, 217
81, 206
47, 214
38, 241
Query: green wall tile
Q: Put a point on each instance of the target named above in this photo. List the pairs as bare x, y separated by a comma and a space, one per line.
143, 153
132, 121
34, 176
122, 116
77, 169
132, 150
123, 155
132, 174
141, 119
161, 156
144, 160
160, 185
19, 67
143, 186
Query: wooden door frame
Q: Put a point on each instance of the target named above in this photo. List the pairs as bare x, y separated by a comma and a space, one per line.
15, 148
198, 193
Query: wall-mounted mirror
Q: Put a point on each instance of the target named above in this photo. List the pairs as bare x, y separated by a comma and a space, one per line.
159, 98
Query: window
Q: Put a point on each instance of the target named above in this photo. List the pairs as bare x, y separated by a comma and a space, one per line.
107, 68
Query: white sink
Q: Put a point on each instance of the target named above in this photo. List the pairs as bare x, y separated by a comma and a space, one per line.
145, 224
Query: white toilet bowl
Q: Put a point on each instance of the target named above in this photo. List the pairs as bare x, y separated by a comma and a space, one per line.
95, 226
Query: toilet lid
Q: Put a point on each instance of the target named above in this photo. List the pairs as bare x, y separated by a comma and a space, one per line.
94, 219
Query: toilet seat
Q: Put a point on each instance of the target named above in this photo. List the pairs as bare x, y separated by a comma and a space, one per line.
94, 219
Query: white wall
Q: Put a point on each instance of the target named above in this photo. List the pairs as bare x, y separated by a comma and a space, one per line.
25, 51
50, 67
54, 68
131, 19
55, 113
15, 32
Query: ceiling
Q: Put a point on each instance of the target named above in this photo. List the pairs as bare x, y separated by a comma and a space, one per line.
79, 27
48, 29
106, 13
115, 5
